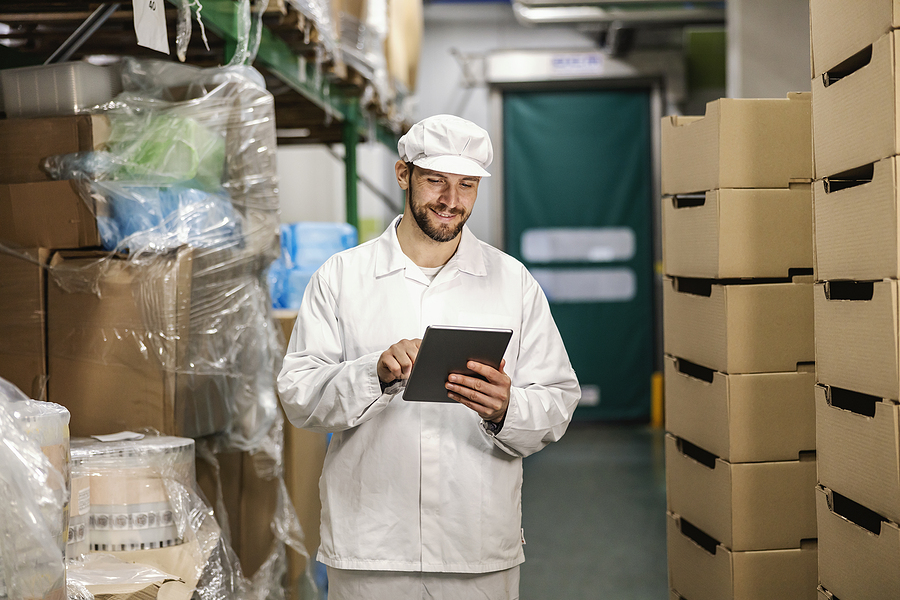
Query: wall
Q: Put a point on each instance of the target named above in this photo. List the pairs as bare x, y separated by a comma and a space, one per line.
768, 48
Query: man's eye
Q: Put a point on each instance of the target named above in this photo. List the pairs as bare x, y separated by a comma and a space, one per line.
434, 180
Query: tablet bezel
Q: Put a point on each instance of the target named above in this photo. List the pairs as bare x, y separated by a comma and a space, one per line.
446, 349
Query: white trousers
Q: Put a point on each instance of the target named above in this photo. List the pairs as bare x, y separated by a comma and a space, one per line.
345, 584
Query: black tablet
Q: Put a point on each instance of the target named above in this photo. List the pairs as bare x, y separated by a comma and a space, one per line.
446, 350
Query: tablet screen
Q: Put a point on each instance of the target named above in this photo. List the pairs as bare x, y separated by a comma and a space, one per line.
446, 350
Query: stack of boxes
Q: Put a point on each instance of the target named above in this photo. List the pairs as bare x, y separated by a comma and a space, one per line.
170, 329
856, 132
738, 326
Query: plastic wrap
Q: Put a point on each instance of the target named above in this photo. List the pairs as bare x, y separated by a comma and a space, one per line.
185, 195
99, 576
319, 13
305, 247
362, 46
33, 496
267, 460
145, 508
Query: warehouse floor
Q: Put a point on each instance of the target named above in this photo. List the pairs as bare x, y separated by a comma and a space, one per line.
594, 514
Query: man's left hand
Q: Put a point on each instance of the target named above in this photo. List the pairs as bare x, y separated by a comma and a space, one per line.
490, 398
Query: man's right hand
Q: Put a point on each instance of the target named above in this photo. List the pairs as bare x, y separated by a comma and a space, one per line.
396, 362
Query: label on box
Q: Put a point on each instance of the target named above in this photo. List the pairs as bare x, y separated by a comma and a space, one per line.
84, 501
150, 24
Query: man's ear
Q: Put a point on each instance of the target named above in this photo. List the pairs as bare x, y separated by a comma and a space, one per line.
402, 173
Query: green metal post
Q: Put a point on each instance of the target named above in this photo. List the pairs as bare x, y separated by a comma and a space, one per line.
351, 139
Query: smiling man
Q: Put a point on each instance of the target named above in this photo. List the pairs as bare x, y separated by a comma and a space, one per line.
420, 499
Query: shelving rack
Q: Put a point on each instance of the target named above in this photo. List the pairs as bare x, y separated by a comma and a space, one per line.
322, 102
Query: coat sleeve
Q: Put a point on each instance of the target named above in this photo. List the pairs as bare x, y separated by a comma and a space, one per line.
545, 390
319, 390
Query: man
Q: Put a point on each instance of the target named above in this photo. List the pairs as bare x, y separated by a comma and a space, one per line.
423, 499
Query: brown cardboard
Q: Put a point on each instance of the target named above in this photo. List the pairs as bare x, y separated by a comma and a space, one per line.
304, 457
840, 29
855, 118
739, 327
46, 214
23, 314
738, 233
824, 594
739, 143
117, 335
742, 418
858, 228
250, 502
744, 506
858, 454
854, 562
858, 341
24, 143
699, 574
404, 41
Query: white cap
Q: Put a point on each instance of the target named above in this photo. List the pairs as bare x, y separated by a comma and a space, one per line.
448, 144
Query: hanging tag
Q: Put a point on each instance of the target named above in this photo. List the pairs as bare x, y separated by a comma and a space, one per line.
150, 24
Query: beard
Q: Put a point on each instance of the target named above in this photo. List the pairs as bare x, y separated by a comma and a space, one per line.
439, 232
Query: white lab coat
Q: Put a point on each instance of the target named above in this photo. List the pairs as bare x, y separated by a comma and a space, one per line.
413, 486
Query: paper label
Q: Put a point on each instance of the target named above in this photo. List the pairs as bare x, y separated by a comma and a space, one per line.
150, 24
84, 501
122, 436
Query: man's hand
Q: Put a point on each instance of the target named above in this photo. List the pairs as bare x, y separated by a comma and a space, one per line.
396, 362
490, 398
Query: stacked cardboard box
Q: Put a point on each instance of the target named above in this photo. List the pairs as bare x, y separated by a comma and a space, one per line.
856, 131
136, 316
738, 326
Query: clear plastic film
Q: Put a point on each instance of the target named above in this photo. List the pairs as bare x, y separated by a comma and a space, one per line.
100, 575
266, 470
319, 13
185, 195
33, 496
363, 39
145, 508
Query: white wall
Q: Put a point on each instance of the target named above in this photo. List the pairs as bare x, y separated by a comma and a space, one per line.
768, 48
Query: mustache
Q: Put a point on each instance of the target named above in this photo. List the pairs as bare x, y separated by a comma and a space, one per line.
453, 211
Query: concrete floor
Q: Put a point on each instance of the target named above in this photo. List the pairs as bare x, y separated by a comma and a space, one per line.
594, 514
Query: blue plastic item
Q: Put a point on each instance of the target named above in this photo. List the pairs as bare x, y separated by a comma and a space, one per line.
305, 247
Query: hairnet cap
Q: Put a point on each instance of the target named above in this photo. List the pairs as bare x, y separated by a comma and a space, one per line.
448, 144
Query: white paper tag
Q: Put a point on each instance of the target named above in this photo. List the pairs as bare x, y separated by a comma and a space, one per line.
84, 501
150, 24
122, 436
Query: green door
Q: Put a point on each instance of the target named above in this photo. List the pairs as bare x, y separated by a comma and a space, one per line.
577, 206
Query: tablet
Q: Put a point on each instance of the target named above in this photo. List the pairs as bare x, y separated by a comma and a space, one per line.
446, 350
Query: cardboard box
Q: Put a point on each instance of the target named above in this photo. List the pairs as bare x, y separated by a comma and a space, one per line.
713, 572
404, 41
824, 594
23, 314
739, 143
858, 553
250, 500
304, 457
840, 29
858, 336
744, 506
756, 417
739, 327
859, 437
25, 143
855, 117
738, 233
47, 214
857, 224
117, 340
